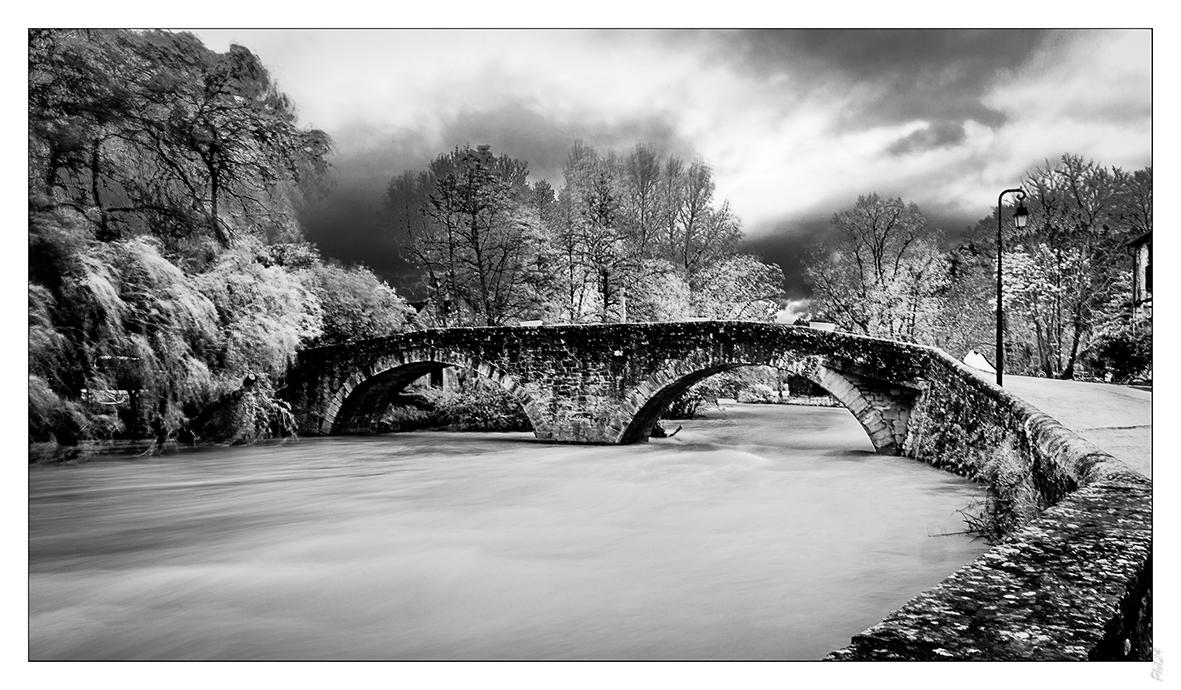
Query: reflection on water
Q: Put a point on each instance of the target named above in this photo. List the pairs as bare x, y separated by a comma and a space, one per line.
764, 532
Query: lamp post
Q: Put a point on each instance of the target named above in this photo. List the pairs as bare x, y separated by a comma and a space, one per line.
1020, 216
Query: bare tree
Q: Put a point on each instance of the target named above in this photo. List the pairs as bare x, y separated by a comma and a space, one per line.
882, 272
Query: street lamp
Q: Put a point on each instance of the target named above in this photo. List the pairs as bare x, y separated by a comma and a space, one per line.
1020, 216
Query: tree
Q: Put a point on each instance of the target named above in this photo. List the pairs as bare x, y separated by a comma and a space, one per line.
1122, 343
1062, 272
356, 304
159, 173
629, 225
264, 312
885, 272
740, 288
665, 295
641, 179
638, 237
471, 223
118, 316
1079, 212
152, 132
1134, 199
598, 237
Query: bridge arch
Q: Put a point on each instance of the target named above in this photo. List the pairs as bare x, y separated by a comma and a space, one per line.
608, 383
364, 397
644, 404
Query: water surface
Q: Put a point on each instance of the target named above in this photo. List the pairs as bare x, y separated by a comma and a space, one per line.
762, 532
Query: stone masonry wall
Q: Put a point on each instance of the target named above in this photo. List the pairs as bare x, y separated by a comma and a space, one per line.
578, 383
1074, 583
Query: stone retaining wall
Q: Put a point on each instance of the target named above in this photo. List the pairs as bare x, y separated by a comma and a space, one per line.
1075, 582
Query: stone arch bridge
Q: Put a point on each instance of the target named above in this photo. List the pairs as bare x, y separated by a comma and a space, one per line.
608, 383
1073, 580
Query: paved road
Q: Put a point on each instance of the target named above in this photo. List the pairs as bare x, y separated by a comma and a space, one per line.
1118, 419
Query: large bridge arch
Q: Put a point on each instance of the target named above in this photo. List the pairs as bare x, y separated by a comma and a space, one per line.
363, 398
643, 405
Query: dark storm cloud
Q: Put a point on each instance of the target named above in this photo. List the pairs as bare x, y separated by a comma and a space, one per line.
932, 74
520, 131
787, 243
345, 224
931, 137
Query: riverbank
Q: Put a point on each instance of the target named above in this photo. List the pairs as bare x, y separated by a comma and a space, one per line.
47, 453
476, 416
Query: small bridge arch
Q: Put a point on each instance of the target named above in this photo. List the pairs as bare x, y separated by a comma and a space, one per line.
360, 401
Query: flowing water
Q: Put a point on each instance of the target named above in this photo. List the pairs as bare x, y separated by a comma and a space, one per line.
761, 532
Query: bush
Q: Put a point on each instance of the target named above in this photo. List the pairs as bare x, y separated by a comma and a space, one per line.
476, 405
1011, 502
245, 416
53, 419
689, 403
746, 384
758, 393
406, 418
1124, 349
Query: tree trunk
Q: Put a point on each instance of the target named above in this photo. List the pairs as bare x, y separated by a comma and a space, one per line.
103, 228
1068, 372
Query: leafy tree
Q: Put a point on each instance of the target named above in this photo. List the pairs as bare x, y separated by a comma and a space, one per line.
665, 297
597, 236
159, 172
118, 316
264, 312
640, 198
1122, 347
1134, 199
1081, 217
151, 132
634, 232
741, 288
1062, 272
356, 304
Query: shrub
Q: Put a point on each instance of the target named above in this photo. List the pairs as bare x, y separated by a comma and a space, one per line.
689, 403
1123, 349
757, 393
1011, 501
475, 405
245, 416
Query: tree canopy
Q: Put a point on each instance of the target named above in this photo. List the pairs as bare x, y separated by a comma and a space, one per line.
165, 262
637, 237
1067, 288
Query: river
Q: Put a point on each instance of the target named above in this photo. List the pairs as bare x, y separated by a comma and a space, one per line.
762, 532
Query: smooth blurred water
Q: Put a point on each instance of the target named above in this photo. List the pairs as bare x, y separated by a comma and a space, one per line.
763, 532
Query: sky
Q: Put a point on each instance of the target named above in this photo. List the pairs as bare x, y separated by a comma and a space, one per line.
796, 124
